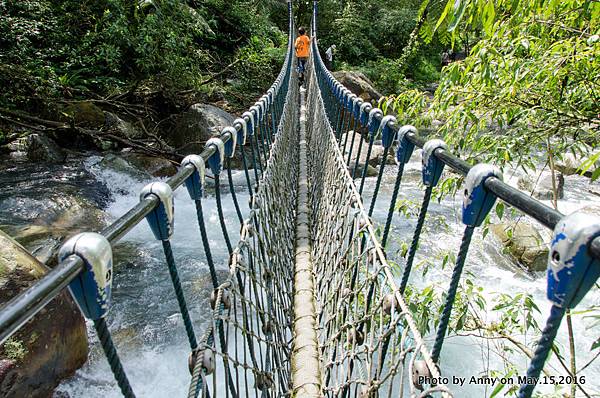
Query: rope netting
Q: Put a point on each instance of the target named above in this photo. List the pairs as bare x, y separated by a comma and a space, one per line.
254, 306
369, 342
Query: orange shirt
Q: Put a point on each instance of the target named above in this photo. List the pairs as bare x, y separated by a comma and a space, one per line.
302, 46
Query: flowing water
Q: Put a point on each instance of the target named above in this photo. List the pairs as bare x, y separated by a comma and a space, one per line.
149, 332
487, 267
144, 318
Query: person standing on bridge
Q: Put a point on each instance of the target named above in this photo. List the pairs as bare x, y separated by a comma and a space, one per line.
302, 47
329, 56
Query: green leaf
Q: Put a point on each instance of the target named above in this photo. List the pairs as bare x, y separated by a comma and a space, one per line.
514, 6
500, 209
444, 14
459, 11
497, 390
596, 174
489, 14
596, 344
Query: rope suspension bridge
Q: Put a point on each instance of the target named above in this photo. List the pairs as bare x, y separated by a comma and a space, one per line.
310, 306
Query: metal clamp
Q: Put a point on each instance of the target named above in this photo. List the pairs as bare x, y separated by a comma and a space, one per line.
195, 182
231, 142
264, 107
365, 108
92, 288
405, 147
387, 133
215, 161
356, 104
351, 97
257, 112
161, 219
477, 200
432, 166
251, 122
375, 116
572, 271
243, 132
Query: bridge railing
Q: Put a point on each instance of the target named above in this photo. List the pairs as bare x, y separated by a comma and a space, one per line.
574, 259
85, 260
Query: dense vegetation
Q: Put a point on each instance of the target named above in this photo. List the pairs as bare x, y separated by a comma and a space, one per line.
62, 49
378, 37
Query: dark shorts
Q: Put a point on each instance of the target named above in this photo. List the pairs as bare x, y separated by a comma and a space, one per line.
302, 64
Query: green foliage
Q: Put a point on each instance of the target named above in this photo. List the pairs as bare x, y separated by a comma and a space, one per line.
14, 349
530, 83
260, 61
62, 48
372, 36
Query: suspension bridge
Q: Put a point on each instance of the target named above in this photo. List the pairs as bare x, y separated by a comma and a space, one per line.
310, 306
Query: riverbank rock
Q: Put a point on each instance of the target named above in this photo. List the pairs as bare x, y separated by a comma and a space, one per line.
195, 126
42, 148
64, 216
362, 155
120, 127
50, 347
371, 171
377, 155
542, 188
36, 148
523, 243
158, 167
359, 84
121, 165
593, 210
569, 165
85, 113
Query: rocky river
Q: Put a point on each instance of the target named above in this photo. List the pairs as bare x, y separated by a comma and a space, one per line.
41, 203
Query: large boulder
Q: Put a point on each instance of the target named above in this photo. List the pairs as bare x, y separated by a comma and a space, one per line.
359, 84
120, 127
523, 243
65, 216
36, 148
362, 155
570, 164
85, 113
47, 349
371, 171
593, 210
195, 126
542, 187
42, 148
158, 167
121, 165
377, 155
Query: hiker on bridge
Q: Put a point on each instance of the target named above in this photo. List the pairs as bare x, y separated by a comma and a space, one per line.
329, 56
302, 46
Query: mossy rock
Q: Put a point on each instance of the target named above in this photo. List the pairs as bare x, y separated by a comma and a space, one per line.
50, 347
85, 113
523, 243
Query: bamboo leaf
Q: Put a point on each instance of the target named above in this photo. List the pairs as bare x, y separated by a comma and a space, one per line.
459, 11
444, 14
489, 14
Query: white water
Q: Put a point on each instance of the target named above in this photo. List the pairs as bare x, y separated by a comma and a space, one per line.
487, 267
149, 333
144, 318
